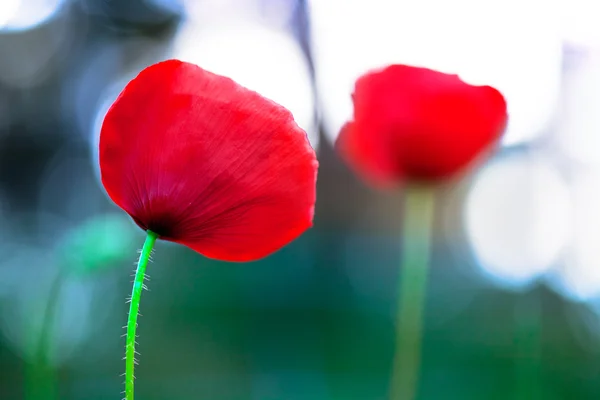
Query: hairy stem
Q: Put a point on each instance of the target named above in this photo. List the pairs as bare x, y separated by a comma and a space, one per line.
416, 241
134, 307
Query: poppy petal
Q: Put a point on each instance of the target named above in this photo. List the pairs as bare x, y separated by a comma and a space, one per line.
207, 163
420, 124
371, 161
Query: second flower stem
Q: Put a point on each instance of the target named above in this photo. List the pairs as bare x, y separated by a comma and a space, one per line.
41, 382
134, 307
414, 270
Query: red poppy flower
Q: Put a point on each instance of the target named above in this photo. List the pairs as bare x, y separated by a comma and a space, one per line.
419, 124
205, 162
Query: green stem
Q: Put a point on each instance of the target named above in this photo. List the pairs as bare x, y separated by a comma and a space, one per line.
46, 334
416, 240
41, 382
134, 306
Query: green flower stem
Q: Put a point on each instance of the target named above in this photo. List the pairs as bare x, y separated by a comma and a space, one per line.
41, 376
134, 307
416, 240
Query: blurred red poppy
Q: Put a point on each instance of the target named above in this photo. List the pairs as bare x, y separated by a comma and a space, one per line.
202, 161
415, 123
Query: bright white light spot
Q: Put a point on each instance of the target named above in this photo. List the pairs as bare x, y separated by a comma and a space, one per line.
579, 277
579, 126
207, 10
8, 9
580, 22
33, 37
18, 15
512, 45
267, 61
517, 218
216, 12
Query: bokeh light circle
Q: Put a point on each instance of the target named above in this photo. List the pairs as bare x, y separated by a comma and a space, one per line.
579, 121
578, 278
34, 36
22, 15
518, 218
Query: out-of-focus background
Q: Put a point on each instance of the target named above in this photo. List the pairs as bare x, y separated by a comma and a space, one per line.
513, 302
